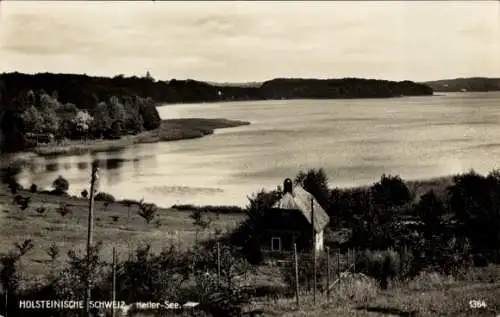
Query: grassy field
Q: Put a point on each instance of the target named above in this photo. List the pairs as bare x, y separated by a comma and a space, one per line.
70, 232
170, 130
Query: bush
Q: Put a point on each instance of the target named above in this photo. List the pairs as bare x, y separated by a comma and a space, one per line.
391, 191
354, 288
384, 266
84, 193
315, 181
33, 188
306, 270
258, 204
102, 196
475, 201
60, 185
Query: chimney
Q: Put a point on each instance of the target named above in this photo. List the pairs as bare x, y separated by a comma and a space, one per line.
287, 186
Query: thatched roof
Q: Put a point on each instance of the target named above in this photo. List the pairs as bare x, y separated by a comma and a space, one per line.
299, 199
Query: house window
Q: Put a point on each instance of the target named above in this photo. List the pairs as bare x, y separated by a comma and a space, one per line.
275, 244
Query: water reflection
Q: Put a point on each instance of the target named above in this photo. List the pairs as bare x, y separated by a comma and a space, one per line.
110, 163
52, 167
42, 171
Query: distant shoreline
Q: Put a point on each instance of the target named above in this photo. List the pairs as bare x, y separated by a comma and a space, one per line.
170, 130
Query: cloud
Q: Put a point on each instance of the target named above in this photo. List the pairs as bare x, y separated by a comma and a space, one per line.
239, 41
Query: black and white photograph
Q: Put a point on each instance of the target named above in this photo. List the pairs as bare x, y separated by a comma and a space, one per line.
249, 158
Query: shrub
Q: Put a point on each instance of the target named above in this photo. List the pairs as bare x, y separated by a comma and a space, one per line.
384, 266
430, 210
102, 196
84, 193
147, 211
258, 204
60, 185
33, 188
24, 247
152, 277
391, 191
475, 201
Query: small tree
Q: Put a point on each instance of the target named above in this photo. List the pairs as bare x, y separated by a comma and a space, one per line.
53, 251
200, 220
22, 202
391, 191
85, 193
9, 275
60, 185
24, 247
41, 209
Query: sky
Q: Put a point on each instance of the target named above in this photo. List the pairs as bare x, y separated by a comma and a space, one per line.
253, 41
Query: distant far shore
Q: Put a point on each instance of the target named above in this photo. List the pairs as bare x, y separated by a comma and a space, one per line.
169, 130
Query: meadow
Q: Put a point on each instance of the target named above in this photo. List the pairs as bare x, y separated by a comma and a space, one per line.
118, 224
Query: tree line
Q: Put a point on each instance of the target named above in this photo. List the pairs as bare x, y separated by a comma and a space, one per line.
468, 84
83, 89
32, 116
80, 106
389, 249
443, 229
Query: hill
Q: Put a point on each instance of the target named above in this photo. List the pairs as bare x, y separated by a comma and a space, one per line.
465, 84
85, 90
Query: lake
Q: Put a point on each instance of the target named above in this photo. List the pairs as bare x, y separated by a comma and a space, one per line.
356, 141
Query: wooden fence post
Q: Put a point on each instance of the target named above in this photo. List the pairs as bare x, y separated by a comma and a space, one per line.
7, 299
354, 260
338, 263
90, 231
296, 260
327, 273
313, 250
113, 311
218, 264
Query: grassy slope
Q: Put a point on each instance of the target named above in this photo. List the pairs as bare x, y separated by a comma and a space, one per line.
70, 232
170, 130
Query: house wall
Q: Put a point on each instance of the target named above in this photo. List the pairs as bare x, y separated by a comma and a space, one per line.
287, 239
2, 137
319, 241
